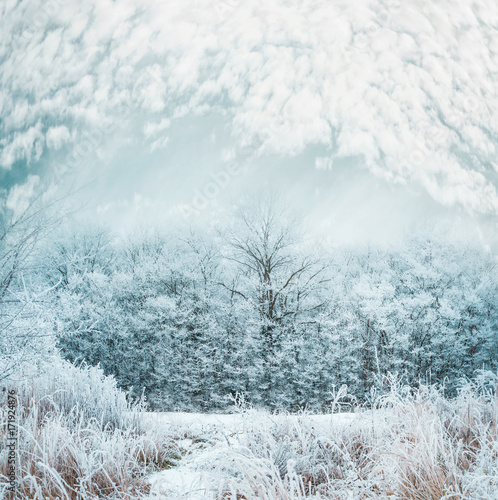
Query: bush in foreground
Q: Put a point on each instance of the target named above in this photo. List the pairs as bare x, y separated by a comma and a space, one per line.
413, 444
78, 437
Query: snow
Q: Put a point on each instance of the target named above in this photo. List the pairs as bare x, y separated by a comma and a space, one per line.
205, 439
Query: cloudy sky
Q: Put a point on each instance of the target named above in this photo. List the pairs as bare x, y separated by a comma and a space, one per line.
370, 115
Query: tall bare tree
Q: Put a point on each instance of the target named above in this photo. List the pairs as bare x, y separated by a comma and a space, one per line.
23, 326
277, 273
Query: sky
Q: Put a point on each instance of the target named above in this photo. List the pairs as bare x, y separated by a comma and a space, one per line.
369, 115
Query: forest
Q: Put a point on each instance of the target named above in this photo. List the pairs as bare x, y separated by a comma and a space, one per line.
252, 307
292, 367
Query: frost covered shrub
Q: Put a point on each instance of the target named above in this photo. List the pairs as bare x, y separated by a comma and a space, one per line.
78, 437
58, 387
413, 444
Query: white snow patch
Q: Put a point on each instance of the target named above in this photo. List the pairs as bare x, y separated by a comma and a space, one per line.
205, 439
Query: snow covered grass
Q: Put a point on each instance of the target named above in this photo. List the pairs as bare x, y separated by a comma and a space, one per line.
79, 437
411, 445
408, 444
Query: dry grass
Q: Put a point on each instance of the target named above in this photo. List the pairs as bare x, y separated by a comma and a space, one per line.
84, 446
414, 445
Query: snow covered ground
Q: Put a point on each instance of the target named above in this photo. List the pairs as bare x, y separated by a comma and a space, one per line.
207, 439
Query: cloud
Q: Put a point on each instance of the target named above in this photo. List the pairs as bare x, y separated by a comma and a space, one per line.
323, 163
408, 86
151, 129
57, 137
19, 196
26, 145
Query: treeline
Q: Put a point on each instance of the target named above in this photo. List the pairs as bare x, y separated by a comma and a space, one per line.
254, 308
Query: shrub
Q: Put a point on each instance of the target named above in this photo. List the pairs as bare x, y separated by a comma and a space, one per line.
78, 437
412, 444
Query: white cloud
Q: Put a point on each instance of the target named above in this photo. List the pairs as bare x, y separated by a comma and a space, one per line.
409, 86
57, 136
20, 196
153, 128
324, 163
23, 145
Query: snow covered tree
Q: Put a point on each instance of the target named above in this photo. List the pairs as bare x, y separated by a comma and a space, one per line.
274, 272
25, 331
193, 318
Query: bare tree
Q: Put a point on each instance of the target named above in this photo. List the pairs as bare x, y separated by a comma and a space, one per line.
23, 326
84, 250
267, 245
